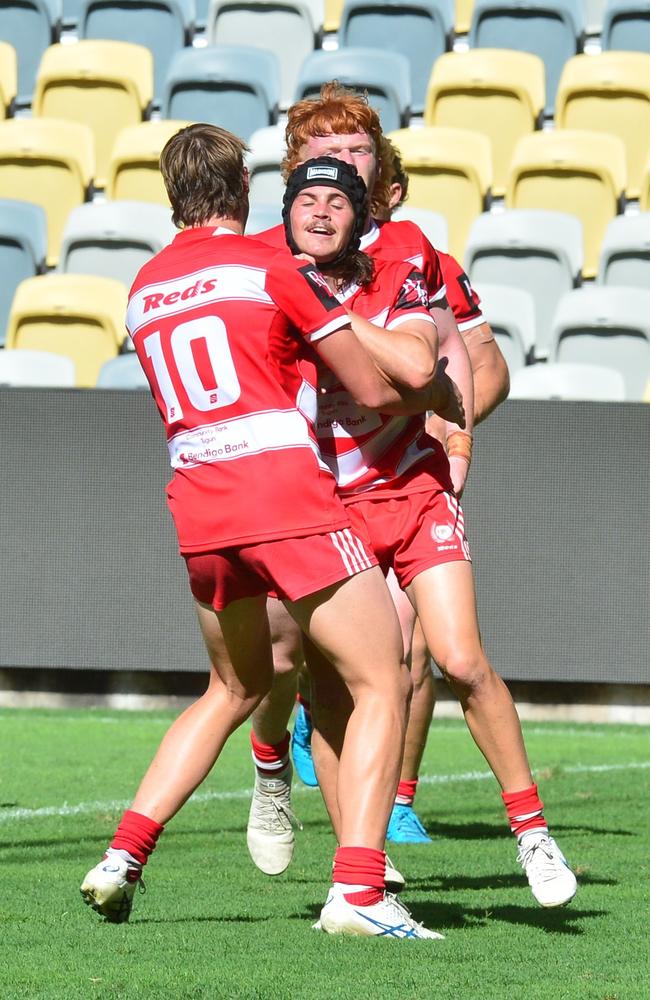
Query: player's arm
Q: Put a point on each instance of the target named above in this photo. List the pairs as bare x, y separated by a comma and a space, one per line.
459, 369
490, 371
407, 354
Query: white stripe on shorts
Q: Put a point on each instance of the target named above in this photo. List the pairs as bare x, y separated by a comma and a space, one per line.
459, 530
351, 551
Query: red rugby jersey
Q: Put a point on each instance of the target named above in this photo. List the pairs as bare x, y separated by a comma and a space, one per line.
219, 324
366, 450
463, 299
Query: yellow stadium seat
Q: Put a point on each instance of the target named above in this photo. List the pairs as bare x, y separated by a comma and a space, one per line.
133, 171
77, 315
8, 79
450, 171
582, 173
464, 11
106, 85
332, 17
609, 92
49, 162
498, 92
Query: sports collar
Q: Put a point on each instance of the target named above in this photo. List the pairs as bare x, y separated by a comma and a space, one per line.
369, 238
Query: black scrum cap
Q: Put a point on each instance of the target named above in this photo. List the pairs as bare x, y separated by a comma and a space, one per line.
327, 171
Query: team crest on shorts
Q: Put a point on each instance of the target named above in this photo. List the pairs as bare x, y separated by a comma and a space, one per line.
442, 532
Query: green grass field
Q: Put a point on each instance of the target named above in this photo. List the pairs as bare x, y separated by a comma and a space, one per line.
211, 925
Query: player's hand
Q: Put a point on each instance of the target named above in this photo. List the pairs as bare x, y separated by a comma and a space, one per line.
446, 397
304, 256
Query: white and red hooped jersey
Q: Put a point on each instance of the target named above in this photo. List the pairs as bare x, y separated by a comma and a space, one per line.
367, 450
219, 325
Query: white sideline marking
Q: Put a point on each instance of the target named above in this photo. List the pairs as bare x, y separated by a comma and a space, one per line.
82, 808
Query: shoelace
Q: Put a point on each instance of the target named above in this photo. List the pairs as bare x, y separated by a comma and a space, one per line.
403, 910
270, 813
541, 857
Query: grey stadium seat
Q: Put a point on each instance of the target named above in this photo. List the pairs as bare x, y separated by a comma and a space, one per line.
122, 372
551, 29
626, 26
267, 149
386, 76
625, 253
605, 326
23, 247
511, 314
568, 381
537, 250
36, 368
31, 26
234, 86
286, 27
114, 238
421, 30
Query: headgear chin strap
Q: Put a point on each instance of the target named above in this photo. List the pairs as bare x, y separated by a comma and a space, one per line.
327, 171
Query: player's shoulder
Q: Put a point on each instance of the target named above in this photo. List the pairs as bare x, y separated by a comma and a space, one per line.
449, 265
401, 233
274, 237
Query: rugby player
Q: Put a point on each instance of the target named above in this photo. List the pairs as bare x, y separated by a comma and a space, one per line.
342, 125
229, 336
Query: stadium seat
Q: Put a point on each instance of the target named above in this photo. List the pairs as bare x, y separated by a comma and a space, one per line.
332, 15
626, 26
594, 14
511, 314
114, 238
463, 19
644, 197
433, 224
384, 75
573, 171
30, 26
646, 394
494, 91
263, 216
106, 85
234, 86
50, 162
8, 79
23, 246
36, 368
539, 251
79, 316
605, 326
163, 26
551, 29
568, 381
122, 372
421, 30
267, 150
450, 171
286, 27
133, 171
610, 92
625, 252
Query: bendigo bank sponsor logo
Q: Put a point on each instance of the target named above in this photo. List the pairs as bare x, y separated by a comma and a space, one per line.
157, 299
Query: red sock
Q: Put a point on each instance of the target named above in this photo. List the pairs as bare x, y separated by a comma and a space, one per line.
361, 866
270, 758
525, 810
136, 834
406, 792
306, 704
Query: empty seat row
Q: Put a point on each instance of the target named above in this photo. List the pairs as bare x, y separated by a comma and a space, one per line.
595, 325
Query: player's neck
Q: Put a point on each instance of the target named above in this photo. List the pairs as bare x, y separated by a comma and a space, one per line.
217, 222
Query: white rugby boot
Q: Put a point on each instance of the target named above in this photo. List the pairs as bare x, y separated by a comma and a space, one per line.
110, 885
271, 822
551, 880
389, 918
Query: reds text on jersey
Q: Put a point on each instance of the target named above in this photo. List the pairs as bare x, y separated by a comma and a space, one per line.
219, 324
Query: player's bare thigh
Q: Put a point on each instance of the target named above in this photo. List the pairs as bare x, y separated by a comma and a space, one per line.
445, 601
285, 636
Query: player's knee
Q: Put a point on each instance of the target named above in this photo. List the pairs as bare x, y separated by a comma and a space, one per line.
466, 670
284, 665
